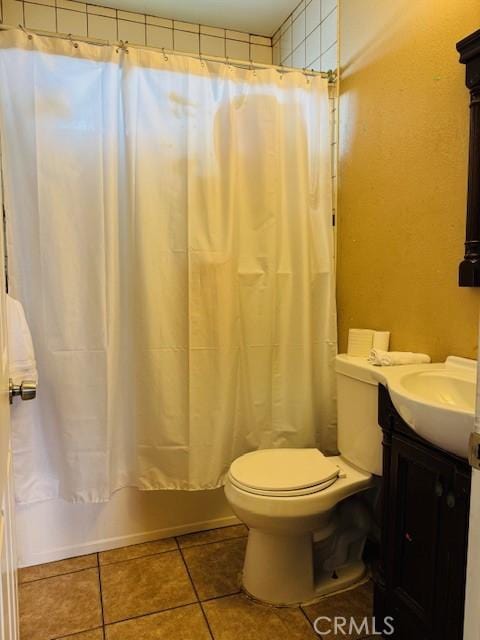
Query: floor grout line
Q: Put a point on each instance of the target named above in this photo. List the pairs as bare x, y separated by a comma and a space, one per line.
76, 633
101, 596
150, 613
206, 621
224, 595
189, 575
147, 555
201, 544
307, 618
204, 544
58, 575
158, 553
196, 593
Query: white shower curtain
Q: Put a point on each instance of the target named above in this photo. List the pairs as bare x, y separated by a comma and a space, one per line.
170, 239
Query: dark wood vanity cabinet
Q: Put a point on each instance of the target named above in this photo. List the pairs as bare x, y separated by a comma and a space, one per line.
420, 581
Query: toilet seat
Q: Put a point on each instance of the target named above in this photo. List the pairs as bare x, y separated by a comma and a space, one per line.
283, 472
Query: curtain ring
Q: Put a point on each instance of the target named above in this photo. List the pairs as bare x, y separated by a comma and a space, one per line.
75, 44
122, 46
30, 37
165, 57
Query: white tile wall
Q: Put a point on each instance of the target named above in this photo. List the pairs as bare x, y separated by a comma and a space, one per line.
160, 37
72, 22
186, 41
81, 19
237, 50
308, 37
39, 16
213, 45
103, 27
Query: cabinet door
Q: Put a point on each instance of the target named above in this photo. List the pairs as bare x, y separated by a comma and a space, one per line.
454, 556
418, 482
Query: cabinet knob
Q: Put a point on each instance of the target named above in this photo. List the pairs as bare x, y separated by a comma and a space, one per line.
438, 489
450, 500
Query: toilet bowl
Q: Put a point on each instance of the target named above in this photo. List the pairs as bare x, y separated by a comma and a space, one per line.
306, 513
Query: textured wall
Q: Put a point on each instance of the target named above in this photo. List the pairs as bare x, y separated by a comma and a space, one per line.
402, 189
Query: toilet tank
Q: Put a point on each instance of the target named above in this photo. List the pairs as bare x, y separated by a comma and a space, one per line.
359, 436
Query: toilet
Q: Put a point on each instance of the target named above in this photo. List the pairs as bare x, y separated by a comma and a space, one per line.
308, 514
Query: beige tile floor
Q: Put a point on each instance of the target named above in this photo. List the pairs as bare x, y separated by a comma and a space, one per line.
184, 588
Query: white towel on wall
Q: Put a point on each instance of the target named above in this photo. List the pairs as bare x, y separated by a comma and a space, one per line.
26, 436
21, 355
390, 358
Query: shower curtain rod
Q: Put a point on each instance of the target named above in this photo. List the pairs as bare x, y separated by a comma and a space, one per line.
331, 75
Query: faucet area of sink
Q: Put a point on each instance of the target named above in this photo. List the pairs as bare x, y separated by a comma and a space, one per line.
436, 400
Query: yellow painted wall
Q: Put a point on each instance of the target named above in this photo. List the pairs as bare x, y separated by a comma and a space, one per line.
402, 173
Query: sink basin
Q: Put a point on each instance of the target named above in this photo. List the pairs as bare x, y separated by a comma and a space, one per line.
436, 400
441, 388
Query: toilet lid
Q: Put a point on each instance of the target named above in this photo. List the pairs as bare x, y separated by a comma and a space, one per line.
283, 471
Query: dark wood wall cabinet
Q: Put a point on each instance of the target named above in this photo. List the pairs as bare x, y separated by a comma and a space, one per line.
469, 272
420, 581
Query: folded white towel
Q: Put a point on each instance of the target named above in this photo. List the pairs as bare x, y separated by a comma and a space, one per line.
22, 363
390, 358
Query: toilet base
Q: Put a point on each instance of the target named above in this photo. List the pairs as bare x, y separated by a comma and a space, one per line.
346, 577
279, 570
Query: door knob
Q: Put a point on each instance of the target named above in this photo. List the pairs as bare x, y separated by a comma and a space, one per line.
438, 489
27, 390
451, 500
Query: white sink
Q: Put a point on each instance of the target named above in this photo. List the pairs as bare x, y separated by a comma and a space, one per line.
435, 400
